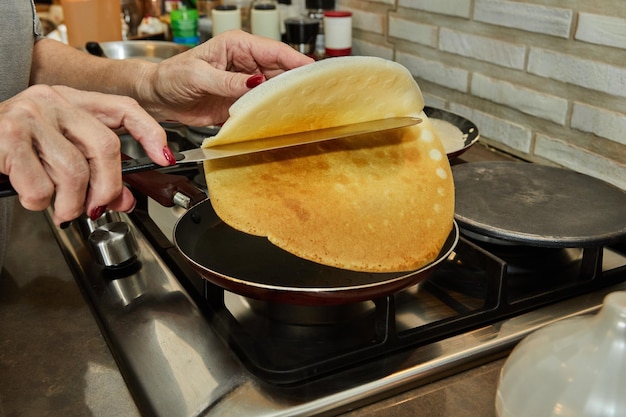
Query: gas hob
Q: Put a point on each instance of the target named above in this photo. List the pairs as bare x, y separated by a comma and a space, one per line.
188, 348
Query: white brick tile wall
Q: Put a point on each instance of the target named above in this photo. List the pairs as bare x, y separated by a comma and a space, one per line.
601, 30
599, 121
522, 15
420, 33
434, 71
588, 73
503, 131
369, 21
360, 47
540, 78
526, 100
435, 101
461, 8
487, 49
581, 160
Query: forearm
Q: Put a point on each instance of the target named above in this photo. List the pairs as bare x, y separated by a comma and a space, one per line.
55, 63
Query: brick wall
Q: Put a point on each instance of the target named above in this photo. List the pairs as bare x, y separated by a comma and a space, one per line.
544, 80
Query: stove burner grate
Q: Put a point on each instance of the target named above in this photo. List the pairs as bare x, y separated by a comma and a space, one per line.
290, 354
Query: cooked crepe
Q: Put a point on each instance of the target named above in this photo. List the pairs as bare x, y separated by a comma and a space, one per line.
379, 202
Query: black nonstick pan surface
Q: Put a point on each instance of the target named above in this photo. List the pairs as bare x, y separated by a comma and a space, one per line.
252, 266
538, 205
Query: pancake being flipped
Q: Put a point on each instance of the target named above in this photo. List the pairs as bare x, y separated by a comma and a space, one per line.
379, 202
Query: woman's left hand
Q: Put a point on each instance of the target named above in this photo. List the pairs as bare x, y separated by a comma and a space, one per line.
198, 86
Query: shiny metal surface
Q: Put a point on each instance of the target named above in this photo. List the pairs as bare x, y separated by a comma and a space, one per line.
194, 156
175, 365
113, 244
155, 51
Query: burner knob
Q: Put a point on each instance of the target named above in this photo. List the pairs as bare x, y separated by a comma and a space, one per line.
113, 244
86, 225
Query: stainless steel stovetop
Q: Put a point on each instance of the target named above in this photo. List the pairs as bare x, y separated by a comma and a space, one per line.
173, 335
176, 364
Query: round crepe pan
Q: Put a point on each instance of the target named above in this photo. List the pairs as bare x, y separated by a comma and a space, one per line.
468, 129
536, 205
252, 266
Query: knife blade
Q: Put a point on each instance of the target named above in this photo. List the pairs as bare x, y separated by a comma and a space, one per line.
130, 166
275, 142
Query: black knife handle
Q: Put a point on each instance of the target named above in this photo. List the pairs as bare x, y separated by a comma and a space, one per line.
6, 189
129, 166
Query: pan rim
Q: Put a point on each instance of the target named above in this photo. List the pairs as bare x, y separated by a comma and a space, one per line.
446, 250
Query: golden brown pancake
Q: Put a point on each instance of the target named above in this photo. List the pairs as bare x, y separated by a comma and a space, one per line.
380, 202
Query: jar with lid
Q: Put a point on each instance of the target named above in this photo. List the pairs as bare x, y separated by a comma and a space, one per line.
286, 9
315, 10
265, 19
184, 25
301, 33
244, 8
338, 33
225, 17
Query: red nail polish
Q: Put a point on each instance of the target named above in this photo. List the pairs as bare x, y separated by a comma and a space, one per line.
167, 152
97, 212
255, 80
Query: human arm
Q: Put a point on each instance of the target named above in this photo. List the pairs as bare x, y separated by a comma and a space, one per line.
195, 88
59, 140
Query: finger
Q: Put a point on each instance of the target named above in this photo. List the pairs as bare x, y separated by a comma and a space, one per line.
35, 153
125, 202
28, 177
93, 154
101, 147
248, 53
68, 171
117, 112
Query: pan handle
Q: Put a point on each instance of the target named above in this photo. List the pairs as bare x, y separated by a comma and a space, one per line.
167, 189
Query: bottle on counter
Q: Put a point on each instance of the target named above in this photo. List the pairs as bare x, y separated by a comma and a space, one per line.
225, 17
286, 9
338, 33
244, 9
92, 20
265, 19
315, 10
154, 8
301, 34
184, 26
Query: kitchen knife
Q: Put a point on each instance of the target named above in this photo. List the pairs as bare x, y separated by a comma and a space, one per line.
274, 142
130, 166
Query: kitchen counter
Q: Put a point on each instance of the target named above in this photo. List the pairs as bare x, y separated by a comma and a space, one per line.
53, 359
55, 362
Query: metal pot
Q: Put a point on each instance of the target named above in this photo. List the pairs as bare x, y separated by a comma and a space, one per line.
155, 51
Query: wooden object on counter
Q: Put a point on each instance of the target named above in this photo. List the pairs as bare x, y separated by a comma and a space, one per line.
92, 20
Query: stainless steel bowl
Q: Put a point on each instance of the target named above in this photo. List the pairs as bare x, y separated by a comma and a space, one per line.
155, 51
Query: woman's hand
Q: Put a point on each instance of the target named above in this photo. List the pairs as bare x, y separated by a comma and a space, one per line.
198, 86
57, 141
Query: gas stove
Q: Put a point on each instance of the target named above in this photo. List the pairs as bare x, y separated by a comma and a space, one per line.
188, 348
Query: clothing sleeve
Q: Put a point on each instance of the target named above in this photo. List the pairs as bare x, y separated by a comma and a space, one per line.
37, 27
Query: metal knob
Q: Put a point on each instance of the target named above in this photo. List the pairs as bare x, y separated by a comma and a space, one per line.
87, 226
113, 244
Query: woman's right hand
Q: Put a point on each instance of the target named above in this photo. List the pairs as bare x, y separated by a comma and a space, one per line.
60, 142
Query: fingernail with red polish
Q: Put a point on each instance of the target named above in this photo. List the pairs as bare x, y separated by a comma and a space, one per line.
167, 152
97, 212
255, 80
